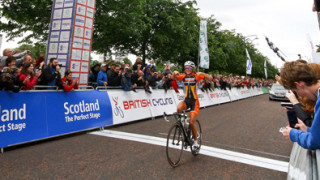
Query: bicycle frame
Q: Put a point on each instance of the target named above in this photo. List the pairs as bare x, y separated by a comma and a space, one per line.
179, 123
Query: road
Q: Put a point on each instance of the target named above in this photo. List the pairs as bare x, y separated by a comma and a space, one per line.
239, 140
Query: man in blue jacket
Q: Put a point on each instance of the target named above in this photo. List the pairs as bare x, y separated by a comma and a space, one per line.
300, 78
126, 83
102, 79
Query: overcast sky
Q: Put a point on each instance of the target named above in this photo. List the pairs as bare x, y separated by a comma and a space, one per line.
286, 23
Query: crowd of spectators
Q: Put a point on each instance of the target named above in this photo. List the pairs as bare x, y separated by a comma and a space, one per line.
20, 71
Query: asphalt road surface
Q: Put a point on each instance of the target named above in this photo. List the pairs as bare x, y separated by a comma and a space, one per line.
241, 140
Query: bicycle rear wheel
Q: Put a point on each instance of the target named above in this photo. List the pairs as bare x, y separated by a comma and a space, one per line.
175, 143
199, 137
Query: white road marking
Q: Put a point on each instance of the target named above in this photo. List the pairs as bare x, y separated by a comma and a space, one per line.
205, 150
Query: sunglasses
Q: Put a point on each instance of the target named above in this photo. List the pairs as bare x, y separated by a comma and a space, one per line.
188, 68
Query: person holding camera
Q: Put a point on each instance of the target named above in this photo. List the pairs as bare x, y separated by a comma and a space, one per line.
300, 78
27, 76
8, 80
51, 75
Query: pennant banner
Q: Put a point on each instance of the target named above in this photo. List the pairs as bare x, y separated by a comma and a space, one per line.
249, 63
0, 40
265, 69
203, 46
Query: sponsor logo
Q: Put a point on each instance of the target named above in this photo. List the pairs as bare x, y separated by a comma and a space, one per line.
117, 111
143, 103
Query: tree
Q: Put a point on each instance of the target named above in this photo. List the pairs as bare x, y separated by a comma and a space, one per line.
25, 17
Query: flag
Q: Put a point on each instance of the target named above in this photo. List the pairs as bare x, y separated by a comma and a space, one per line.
203, 45
249, 63
265, 69
0, 40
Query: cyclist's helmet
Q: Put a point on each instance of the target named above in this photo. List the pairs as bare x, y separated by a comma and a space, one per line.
190, 63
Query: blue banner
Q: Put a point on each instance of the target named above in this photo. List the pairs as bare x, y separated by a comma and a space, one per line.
28, 116
76, 111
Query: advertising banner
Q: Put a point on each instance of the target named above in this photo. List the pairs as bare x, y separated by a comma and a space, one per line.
129, 106
218, 96
203, 45
82, 40
29, 116
61, 27
23, 117
70, 36
77, 110
162, 102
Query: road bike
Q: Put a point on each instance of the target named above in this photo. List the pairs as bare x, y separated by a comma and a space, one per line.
180, 137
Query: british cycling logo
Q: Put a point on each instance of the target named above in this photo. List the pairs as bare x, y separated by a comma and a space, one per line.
117, 111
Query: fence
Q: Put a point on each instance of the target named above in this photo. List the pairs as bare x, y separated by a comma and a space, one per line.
32, 115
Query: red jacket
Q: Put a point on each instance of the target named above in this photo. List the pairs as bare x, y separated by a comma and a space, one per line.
29, 85
69, 86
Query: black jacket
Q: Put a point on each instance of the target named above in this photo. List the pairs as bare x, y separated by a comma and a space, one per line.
113, 78
47, 77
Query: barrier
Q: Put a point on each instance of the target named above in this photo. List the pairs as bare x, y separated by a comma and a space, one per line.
304, 164
30, 116
35, 115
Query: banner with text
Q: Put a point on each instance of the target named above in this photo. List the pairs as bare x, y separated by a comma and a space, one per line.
36, 115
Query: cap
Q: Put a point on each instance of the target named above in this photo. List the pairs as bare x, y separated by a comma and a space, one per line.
127, 66
129, 71
103, 65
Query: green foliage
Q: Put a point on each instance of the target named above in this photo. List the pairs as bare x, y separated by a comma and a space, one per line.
127, 61
35, 49
152, 29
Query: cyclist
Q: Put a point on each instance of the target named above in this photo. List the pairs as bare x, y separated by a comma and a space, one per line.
190, 80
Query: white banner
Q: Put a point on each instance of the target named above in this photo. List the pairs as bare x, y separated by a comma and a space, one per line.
1, 37
128, 106
265, 69
203, 45
249, 63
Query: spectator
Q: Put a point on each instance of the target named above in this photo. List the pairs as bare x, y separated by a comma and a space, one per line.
26, 60
91, 77
95, 70
114, 75
102, 79
40, 60
27, 76
7, 80
126, 81
69, 83
137, 78
51, 75
137, 65
300, 78
8, 52
167, 79
11, 62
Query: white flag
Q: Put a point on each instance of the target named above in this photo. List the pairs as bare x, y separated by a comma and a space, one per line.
265, 69
203, 45
249, 63
0, 40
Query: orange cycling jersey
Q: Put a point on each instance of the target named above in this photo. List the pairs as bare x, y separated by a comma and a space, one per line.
190, 83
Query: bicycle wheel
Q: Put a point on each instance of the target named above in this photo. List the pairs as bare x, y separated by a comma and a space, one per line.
199, 137
175, 143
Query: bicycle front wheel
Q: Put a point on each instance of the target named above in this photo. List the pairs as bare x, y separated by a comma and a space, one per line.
175, 143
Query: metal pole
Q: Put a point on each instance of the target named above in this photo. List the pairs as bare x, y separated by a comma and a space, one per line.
1, 150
